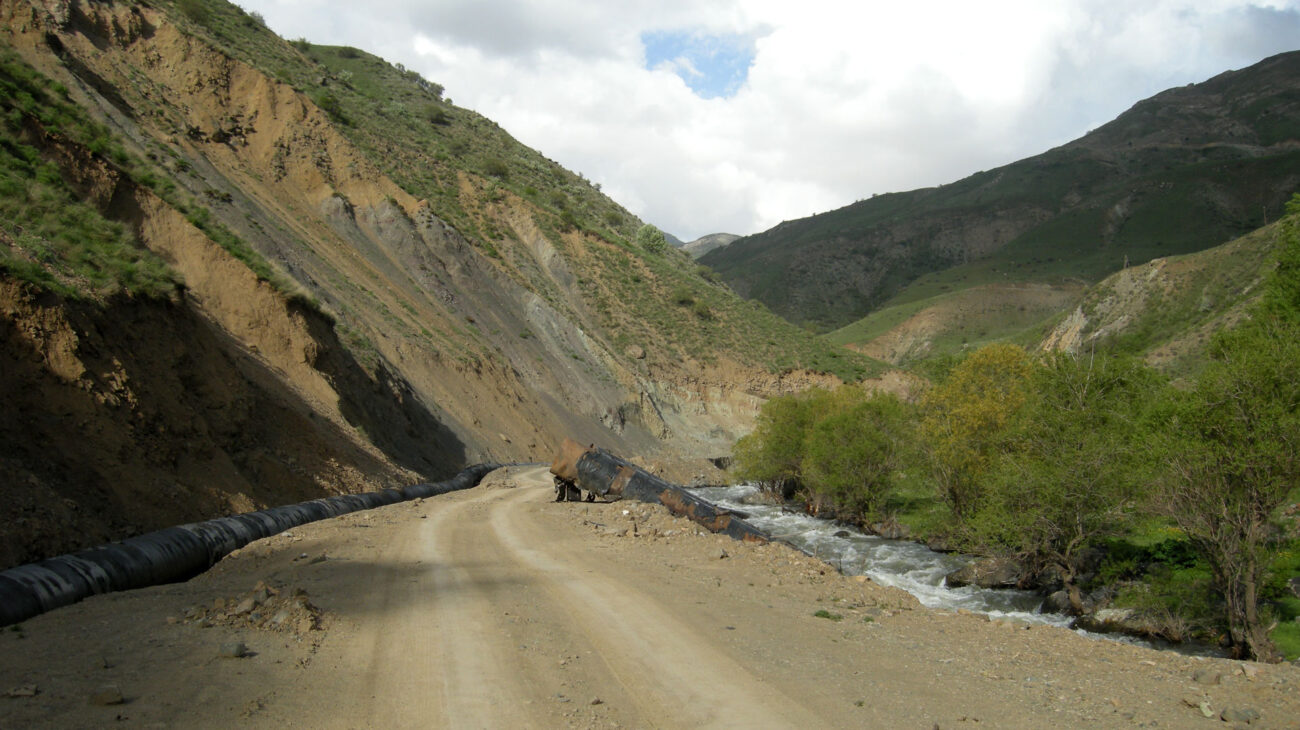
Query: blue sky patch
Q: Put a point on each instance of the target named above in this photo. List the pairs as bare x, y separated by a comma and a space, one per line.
712, 64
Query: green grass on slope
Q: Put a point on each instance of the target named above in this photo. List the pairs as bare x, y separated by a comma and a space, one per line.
54, 239
1212, 283
996, 320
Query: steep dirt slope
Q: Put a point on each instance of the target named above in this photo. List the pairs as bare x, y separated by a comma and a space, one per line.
335, 331
505, 345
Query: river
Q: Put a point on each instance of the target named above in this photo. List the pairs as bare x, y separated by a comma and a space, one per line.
909, 566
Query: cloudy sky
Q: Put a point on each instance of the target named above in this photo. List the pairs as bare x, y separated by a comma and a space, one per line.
733, 115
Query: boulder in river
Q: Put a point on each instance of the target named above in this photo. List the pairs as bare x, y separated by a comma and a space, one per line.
987, 573
891, 530
1120, 621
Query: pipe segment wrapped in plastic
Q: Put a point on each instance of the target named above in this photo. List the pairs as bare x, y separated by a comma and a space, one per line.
608, 476
182, 552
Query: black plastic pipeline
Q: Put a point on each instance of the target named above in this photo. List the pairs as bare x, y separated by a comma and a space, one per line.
179, 553
609, 476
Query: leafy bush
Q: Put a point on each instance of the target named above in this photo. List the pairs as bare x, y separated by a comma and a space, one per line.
651, 239
329, 103
496, 167
195, 10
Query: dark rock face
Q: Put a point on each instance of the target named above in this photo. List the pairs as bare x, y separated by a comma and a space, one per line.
988, 573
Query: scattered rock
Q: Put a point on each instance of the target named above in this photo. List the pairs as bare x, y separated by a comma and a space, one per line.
597, 701
1239, 714
636, 352
233, 650
1250, 671
1206, 676
723, 554
25, 690
861, 579
106, 697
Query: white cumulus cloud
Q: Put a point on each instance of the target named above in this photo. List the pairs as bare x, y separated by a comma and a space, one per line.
841, 100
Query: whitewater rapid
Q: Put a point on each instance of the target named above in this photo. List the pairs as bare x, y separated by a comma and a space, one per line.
906, 565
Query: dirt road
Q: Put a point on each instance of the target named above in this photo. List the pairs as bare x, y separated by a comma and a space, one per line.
497, 608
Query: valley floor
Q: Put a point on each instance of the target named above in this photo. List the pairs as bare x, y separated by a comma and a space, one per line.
496, 607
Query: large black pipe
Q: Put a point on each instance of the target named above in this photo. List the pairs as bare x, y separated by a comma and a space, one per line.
609, 476
182, 552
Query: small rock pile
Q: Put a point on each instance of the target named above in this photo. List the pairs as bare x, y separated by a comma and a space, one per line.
266, 608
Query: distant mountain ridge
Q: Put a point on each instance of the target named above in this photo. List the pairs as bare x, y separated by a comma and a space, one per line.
711, 242
1189, 168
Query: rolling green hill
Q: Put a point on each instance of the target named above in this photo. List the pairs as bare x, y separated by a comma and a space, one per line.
1187, 169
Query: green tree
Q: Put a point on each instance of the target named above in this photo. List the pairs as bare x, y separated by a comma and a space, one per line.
966, 418
1233, 463
1074, 469
1232, 450
851, 454
772, 455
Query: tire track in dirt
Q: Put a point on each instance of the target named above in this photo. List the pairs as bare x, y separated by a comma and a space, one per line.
659, 660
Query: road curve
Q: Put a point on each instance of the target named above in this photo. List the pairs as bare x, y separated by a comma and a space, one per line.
509, 627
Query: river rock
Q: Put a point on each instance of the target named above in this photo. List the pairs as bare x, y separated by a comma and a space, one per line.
1057, 602
939, 544
988, 573
1118, 621
891, 530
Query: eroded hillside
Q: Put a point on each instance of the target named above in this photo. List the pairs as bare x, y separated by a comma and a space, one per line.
1168, 310
358, 307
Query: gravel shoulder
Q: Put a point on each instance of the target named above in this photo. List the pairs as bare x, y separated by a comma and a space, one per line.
496, 607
